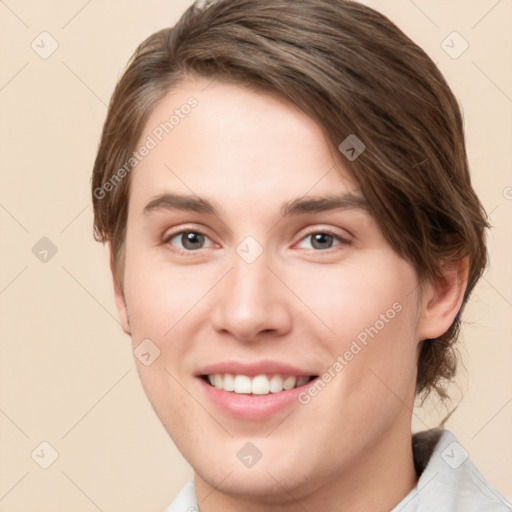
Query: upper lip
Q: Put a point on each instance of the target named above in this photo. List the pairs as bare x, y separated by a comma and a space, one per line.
253, 369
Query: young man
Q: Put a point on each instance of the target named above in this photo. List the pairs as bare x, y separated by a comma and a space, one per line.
285, 192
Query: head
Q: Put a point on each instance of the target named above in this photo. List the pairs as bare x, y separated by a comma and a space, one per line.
324, 134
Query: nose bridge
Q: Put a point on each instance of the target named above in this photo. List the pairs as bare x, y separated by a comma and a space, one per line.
251, 300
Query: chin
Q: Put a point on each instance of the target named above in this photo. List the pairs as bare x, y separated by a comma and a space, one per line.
260, 486
265, 481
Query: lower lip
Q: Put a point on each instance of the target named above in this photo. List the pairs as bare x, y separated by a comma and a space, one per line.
252, 407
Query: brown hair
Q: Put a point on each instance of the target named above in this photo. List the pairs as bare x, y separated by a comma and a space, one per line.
354, 72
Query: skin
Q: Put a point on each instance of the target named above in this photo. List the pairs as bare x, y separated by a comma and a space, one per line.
248, 153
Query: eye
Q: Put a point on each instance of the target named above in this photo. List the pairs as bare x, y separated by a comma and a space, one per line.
188, 240
322, 240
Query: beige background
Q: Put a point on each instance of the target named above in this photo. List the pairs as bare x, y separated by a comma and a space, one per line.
67, 371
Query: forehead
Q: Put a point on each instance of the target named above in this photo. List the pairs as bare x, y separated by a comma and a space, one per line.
217, 139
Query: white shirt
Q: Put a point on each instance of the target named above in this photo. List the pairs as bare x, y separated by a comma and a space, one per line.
449, 483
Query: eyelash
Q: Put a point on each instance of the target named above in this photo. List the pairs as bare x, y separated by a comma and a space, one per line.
341, 240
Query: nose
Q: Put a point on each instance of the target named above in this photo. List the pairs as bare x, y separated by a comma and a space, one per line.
252, 303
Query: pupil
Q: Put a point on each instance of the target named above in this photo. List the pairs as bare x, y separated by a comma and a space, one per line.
192, 240
322, 238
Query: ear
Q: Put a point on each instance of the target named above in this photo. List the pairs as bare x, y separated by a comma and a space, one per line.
119, 298
442, 300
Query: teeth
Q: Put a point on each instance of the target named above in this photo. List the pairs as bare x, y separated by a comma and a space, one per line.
217, 381
276, 384
242, 384
228, 383
259, 385
289, 382
301, 381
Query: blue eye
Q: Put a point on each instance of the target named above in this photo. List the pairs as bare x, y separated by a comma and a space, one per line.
190, 240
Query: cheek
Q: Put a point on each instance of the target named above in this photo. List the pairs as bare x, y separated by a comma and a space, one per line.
376, 291
159, 296
371, 337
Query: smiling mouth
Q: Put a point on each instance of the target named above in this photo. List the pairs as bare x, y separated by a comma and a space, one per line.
257, 385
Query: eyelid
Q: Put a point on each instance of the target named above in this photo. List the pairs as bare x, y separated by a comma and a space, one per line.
183, 228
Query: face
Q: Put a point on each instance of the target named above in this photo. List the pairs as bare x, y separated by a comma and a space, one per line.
285, 325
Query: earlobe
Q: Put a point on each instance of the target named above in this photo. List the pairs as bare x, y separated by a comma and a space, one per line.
120, 300
443, 300
121, 307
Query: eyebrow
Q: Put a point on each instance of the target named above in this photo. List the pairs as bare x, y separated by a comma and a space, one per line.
181, 202
346, 201
301, 205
